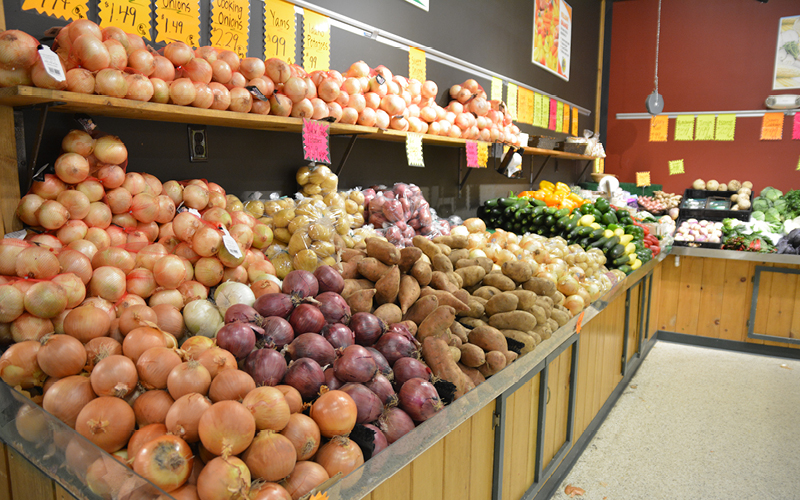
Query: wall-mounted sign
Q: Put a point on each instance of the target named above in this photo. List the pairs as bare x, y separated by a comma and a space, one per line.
178, 21
787, 60
422, 4
230, 26
279, 30
552, 36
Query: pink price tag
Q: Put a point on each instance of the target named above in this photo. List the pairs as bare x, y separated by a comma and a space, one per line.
472, 154
553, 112
796, 127
315, 141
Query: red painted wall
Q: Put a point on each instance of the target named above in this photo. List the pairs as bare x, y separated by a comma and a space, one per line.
715, 55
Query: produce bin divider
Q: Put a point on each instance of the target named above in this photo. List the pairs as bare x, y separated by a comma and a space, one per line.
346, 154
751, 321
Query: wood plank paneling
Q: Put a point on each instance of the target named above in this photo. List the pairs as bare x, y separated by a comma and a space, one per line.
9, 186
482, 453
711, 296
457, 457
562, 402
735, 307
426, 473
690, 292
397, 487
669, 291
28, 482
516, 470
5, 483
633, 323
62, 494
508, 446
534, 412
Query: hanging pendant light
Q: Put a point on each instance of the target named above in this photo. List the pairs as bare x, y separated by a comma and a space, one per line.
655, 102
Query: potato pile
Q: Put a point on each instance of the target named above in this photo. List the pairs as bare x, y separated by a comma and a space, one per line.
463, 311
660, 201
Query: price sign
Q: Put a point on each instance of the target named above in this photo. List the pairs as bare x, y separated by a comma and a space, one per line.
230, 25
316, 41
178, 21
579, 324
472, 154
511, 100
796, 127
565, 120
538, 105
65, 9
642, 179
525, 106
676, 167
316, 146
658, 128
416, 64
497, 89
705, 128
279, 30
726, 127
553, 112
414, 149
483, 154
574, 121
559, 116
131, 16
684, 128
772, 127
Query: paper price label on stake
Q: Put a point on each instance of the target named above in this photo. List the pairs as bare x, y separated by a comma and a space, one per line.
131, 16
279, 30
178, 21
230, 25
316, 41
416, 64
70, 10
316, 144
642, 179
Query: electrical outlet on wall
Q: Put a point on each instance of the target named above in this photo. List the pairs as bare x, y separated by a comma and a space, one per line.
198, 143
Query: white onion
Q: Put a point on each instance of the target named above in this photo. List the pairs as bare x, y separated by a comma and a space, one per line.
202, 318
230, 293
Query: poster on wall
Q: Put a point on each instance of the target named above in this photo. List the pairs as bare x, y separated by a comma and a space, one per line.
422, 4
787, 62
552, 36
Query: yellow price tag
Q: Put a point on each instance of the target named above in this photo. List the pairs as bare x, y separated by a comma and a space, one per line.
497, 89
511, 100
684, 128
658, 128
705, 128
178, 21
279, 30
565, 120
575, 121
316, 41
483, 154
525, 106
538, 103
230, 21
642, 179
131, 16
726, 127
65, 9
416, 64
559, 116
676, 167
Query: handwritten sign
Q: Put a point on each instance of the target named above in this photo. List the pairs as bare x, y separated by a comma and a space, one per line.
483, 154
579, 324
676, 167
279, 30
511, 100
525, 105
726, 127
178, 21
772, 127
798, 163
544, 118
553, 112
574, 121
497, 89
316, 41
796, 127
65, 9
414, 149
658, 128
559, 116
642, 179
704, 131
537, 109
599, 165
131, 16
230, 25
315, 141
472, 154
684, 128
416, 64
565, 120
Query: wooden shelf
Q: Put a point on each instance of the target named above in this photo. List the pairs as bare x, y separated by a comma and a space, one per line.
72, 102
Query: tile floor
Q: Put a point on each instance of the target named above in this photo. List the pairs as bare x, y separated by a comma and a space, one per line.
698, 423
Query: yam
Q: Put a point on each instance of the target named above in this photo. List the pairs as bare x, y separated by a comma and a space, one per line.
529, 343
349, 254
457, 255
409, 292
453, 241
471, 275
518, 270
472, 355
444, 249
436, 323
476, 309
442, 263
428, 247
454, 340
473, 374
479, 299
462, 295
383, 251
543, 331
389, 313
361, 301
350, 269
472, 322
439, 357
440, 281
372, 269
445, 298
455, 352
488, 338
511, 356
540, 286
408, 257
539, 314
421, 309
514, 320
487, 292
459, 331
412, 327
499, 280
422, 271
560, 317
527, 299
504, 302
495, 361
388, 287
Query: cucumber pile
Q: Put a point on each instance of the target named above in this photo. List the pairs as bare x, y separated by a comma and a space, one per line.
592, 225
